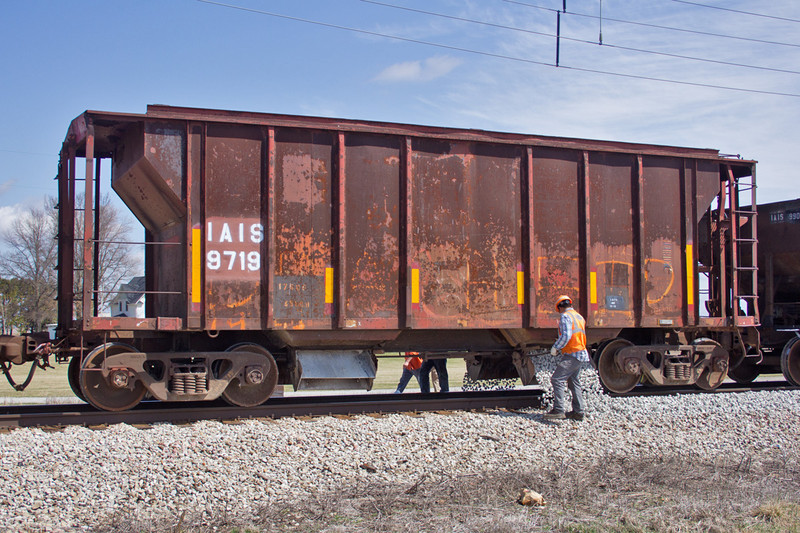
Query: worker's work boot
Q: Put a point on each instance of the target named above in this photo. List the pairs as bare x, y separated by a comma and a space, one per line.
554, 415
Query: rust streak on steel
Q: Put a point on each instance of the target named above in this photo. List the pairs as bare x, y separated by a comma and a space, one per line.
340, 262
240, 117
87, 275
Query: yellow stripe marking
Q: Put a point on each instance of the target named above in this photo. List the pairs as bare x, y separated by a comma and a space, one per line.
414, 285
329, 285
520, 287
196, 265
689, 275
593, 287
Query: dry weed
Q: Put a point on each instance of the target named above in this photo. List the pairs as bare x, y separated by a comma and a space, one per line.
675, 494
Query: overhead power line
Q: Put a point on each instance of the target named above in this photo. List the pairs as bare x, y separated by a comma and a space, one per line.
736, 11
647, 25
582, 41
494, 55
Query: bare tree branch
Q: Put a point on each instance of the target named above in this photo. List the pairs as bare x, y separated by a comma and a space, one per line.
31, 257
117, 262
31, 260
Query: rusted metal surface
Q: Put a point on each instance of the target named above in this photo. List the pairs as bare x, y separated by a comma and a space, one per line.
233, 229
465, 235
557, 224
303, 247
371, 221
779, 262
344, 233
66, 235
395, 129
611, 244
105, 323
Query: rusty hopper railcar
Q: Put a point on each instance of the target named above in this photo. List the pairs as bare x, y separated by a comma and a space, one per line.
285, 249
779, 287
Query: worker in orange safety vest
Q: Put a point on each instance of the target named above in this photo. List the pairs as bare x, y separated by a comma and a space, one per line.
571, 343
411, 367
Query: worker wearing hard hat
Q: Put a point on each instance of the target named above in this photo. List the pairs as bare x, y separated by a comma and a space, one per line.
572, 345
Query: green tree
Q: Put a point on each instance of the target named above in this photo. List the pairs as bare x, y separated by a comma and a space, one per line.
13, 312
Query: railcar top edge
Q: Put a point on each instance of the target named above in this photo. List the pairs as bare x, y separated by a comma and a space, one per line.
77, 130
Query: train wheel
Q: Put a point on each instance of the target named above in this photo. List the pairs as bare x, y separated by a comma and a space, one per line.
711, 378
74, 376
790, 362
262, 386
611, 376
744, 372
98, 391
594, 355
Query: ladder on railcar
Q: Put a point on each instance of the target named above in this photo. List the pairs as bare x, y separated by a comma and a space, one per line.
733, 293
738, 218
742, 216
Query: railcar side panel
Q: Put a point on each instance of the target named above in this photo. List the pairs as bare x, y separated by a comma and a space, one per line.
325, 230
304, 248
233, 227
660, 216
465, 235
371, 222
557, 225
613, 287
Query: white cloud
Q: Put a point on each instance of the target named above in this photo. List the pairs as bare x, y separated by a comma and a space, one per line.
8, 214
419, 71
525, 97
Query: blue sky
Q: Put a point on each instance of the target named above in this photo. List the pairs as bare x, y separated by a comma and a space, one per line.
61, 58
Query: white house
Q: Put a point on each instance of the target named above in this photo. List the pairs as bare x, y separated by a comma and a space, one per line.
129, 301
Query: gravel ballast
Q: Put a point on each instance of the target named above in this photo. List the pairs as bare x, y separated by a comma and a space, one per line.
82, 479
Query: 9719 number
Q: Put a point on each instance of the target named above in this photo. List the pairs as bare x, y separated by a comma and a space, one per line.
230, 260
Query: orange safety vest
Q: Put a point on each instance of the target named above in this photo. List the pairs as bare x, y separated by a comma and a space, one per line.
412, 363
577, 342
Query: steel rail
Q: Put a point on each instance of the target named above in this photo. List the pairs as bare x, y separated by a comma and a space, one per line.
18, 416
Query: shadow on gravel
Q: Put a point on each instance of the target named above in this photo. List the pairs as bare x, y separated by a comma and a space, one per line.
617, 494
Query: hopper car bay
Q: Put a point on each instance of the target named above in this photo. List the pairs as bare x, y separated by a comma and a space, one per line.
287, 249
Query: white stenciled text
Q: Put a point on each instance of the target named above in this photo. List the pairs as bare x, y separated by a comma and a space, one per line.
235, 232
231, 246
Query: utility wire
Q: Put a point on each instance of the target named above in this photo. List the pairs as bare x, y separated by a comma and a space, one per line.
671, 28
373, 33
461, 19
582, 41
736, 11
494, 55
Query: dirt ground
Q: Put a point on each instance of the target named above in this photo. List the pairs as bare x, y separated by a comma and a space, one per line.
614, 494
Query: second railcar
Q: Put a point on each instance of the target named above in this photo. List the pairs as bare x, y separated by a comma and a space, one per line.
286, 249
779, 289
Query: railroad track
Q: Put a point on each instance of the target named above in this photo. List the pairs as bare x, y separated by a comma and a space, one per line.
58, 416
62, 415
644, 390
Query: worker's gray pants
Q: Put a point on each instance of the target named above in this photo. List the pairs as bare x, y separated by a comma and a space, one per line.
567, 371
